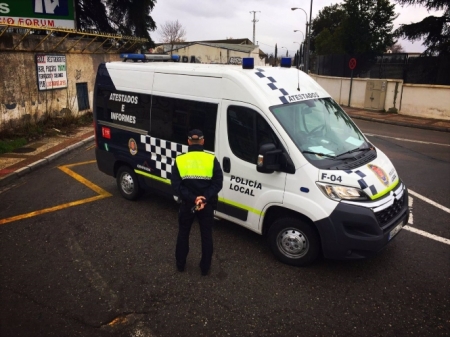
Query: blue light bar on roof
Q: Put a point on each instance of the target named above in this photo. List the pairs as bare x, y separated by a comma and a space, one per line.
248, 63
286, 62
132, 56
150, 57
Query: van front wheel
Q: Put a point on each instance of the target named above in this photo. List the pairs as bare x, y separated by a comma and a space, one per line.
294, 242
127, 183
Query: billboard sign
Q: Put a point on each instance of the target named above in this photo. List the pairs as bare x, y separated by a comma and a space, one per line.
38, 13
51, 71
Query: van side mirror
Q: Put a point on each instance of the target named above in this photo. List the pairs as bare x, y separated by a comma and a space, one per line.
268, 158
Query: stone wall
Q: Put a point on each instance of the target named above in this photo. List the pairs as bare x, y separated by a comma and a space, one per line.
20, 99
420, 100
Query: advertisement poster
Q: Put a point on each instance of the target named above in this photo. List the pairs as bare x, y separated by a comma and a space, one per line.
51, 71
38, 13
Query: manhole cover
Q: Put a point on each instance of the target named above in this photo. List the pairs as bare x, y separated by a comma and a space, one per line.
24, 150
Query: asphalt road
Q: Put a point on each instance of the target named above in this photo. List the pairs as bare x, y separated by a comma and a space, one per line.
89, 263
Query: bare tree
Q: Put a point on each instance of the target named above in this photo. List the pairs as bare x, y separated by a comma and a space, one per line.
397, 48
172, 32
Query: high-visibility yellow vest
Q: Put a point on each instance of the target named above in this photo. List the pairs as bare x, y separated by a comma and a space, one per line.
195, 165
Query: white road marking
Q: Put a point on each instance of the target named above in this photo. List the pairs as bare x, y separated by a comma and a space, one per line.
431, 202
426, 234
411, 221
406, 140
417, 195
410, 204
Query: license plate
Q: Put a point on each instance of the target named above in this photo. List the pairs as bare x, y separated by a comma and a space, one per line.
395, 231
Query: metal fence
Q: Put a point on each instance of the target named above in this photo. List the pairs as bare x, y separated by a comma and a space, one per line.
411, 69
47, 39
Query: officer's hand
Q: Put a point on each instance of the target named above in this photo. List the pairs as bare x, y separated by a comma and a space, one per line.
200, 202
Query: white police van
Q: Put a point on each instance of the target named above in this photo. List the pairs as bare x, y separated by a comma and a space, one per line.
296, 168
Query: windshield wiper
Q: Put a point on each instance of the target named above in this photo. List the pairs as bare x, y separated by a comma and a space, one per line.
319, 154
355, 150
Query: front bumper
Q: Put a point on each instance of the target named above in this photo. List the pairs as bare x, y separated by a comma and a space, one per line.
360, 230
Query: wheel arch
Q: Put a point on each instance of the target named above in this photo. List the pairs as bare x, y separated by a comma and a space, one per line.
276, 212
118, 164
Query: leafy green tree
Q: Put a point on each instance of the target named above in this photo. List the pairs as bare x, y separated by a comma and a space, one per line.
132, 17
397, 48
329, 43
302, 53
368, 26
276, 54
435, 30
355, 26
91, 15
124, 17
326, 30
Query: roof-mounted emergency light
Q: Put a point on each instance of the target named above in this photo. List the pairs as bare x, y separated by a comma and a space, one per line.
286, 62
134, 57
149, 57
248, 63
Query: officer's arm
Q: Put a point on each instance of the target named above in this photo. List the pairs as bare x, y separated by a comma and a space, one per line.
178, 186
216, 181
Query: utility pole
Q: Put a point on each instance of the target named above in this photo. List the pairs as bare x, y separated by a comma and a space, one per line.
254, 21
309, 36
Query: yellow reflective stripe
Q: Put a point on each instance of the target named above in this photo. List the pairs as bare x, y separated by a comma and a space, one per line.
233, 203
152, 176
229, 202
387, 190
195, 164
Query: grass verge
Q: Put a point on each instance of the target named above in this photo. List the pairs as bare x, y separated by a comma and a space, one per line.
10, 145
20, 135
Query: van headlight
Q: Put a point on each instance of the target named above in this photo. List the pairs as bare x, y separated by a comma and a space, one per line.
338, 192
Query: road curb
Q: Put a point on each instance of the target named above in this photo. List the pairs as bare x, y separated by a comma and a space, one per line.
42, 162
398, 123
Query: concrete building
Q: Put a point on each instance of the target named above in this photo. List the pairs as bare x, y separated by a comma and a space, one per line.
230, 51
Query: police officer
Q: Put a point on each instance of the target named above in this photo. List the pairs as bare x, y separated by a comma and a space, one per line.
197, 179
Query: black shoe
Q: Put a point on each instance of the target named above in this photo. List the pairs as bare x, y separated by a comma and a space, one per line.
180, 268
204, 271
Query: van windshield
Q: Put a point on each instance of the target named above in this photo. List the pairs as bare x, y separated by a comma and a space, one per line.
321, 130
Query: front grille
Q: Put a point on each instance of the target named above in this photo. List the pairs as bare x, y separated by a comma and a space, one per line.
389, 213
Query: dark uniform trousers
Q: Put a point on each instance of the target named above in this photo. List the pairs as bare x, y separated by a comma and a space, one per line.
185, 219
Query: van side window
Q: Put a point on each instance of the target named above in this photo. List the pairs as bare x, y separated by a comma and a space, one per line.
172, 118
247, 131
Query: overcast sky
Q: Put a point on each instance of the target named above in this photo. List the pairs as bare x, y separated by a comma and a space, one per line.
221, 19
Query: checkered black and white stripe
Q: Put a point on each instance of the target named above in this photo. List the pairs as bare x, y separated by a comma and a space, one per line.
162, 154
272, 85
362, 183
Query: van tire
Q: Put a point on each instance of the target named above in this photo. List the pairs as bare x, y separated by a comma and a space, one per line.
128, 183
294, 242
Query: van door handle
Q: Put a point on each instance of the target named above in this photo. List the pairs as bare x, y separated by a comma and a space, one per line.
226, 164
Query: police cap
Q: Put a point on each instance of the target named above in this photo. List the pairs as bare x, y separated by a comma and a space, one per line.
195, 134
